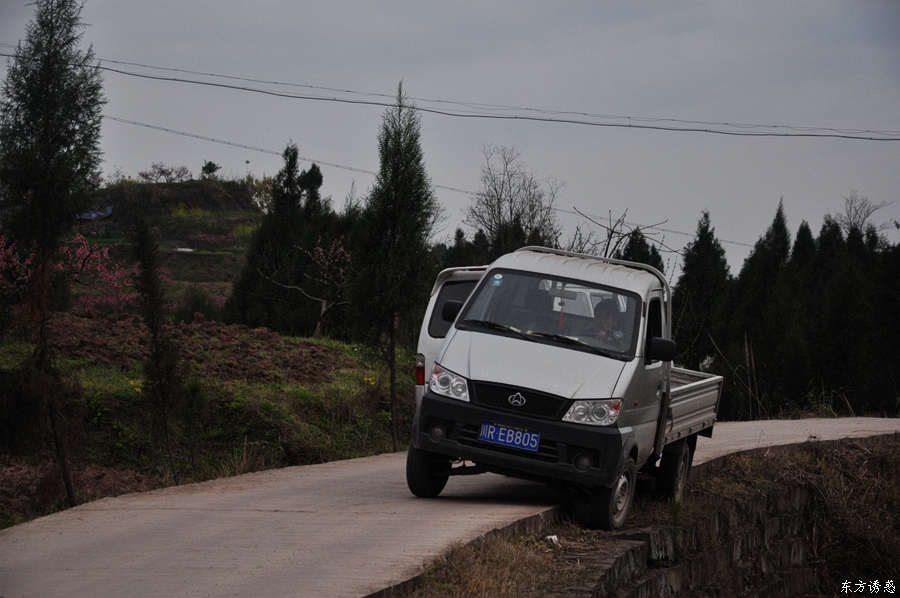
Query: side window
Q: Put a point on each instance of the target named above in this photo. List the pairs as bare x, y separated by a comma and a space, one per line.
654, 321
451, 291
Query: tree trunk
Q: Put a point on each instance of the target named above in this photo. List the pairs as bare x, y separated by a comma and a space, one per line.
62, 456
320, 323
43, 383
392, 367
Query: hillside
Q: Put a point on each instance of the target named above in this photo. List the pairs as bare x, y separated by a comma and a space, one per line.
267, 401
255, 399
203, 228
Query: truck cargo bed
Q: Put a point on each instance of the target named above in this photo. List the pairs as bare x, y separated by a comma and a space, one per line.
693, 405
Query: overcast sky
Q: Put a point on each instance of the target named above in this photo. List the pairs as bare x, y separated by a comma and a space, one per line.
811, 68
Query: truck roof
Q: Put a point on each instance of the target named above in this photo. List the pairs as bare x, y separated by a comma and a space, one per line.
580, 267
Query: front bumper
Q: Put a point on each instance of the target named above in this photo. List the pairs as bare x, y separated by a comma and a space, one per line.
561, 443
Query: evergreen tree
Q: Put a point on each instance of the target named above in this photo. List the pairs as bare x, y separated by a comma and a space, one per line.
164, 372
762, 308
637, 249
803, 257
806, 282
813, 328
279, 261
883, 383
849, 322
50, 112
464, 252
699, 297
392, 264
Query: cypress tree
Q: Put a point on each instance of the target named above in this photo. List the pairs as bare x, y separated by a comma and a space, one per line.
637, 249
699, 297
761, 313
392, 261
276, 259
50, 113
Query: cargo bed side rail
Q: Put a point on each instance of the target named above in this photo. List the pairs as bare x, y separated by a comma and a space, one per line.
693, 406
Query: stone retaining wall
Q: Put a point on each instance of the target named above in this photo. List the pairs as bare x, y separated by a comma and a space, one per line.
748, 548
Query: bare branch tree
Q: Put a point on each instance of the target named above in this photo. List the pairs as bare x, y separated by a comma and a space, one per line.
168, 174
615, 235
857, 214
513, 197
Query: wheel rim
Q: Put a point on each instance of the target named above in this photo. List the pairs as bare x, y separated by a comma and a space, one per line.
621, 498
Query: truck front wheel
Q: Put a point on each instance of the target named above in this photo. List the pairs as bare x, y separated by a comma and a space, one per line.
426, 472
609, 507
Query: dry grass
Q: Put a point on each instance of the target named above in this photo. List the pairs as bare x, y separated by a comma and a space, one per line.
518, 565
856, 519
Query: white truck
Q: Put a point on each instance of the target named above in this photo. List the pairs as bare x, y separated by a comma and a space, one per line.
556, 367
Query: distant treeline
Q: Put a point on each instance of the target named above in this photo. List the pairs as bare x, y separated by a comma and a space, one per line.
808, 326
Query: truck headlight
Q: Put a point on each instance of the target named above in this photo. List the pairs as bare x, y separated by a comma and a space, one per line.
447, 384
594, 413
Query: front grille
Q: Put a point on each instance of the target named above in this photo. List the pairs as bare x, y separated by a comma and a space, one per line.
536, 404
547, 451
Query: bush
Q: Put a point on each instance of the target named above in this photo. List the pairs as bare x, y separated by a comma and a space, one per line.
197, 300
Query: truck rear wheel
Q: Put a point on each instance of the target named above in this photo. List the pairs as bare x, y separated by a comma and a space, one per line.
426, 472
674, 469
609, 507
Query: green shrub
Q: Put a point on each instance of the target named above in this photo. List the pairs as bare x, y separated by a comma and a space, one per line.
197, 300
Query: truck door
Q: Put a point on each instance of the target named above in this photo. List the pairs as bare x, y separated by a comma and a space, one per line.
653, 376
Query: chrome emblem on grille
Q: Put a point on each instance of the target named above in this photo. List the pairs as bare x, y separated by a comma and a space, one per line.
516, 400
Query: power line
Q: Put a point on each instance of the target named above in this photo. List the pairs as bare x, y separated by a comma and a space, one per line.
809, 132
369, 172
493, 111
799, 131
500, 107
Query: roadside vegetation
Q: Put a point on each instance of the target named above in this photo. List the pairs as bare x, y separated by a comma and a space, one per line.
853, 530
255, 400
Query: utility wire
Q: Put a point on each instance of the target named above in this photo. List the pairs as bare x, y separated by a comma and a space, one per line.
706, 128
798, 131
501, 112
500, 107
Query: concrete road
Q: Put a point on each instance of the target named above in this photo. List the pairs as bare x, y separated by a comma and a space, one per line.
338, 529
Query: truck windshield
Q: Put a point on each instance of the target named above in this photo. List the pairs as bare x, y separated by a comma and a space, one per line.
556, 311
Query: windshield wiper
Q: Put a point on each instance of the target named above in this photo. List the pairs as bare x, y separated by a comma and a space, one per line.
496, 326
568, 340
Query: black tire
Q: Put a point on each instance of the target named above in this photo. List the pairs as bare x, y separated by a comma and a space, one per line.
426, 472
609, 507
674, 470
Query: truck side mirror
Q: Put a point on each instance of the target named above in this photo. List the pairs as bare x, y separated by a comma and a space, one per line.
661, 349
450, 310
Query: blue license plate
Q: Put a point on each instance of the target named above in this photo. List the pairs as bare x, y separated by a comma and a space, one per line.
521, 439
